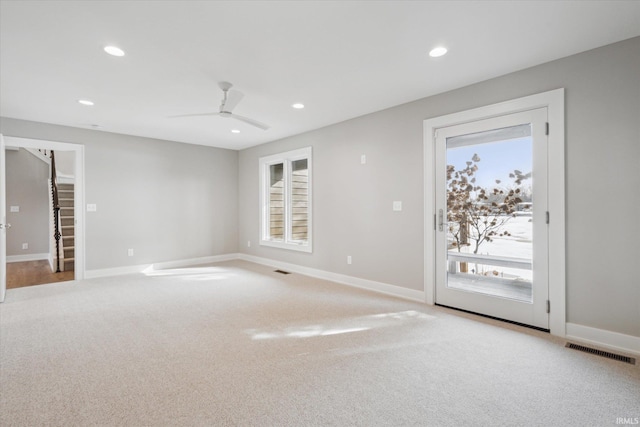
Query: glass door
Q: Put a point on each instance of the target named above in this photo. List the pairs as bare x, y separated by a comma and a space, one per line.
491, 232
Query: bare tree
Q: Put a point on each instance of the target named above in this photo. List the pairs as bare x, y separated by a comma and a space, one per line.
476, 214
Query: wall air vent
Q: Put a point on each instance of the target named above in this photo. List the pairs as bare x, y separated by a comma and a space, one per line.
606, 354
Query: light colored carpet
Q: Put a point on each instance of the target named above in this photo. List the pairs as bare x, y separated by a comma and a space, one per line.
235, 344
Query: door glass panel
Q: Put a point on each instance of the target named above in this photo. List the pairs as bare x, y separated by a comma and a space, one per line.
489, 213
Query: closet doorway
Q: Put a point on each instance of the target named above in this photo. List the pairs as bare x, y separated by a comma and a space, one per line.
43, 225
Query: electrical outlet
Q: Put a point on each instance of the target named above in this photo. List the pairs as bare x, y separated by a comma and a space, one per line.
25, 246
14, 209
397, 206
349, 259
92, 207
130, 252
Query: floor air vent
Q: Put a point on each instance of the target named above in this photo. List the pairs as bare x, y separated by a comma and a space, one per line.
606, 354
281, 272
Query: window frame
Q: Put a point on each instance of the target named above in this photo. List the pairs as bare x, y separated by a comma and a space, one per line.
287, 159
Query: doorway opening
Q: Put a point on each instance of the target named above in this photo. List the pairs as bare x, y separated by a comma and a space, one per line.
491, 239
494, 211
44, 192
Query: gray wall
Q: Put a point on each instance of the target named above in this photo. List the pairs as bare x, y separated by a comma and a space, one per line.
65, 163
27, 188
352, 210
167, 201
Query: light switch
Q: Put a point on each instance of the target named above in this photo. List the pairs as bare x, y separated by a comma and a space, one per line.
363, 159
91, 207
14, 209
397, 206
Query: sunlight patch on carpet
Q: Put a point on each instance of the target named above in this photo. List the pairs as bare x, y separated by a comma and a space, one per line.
343, 326
192, 273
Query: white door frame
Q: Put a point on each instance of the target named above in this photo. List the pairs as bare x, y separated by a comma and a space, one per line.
78, 149
554, 102
3, 222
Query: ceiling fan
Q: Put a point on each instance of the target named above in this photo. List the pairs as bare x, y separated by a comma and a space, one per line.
230, 100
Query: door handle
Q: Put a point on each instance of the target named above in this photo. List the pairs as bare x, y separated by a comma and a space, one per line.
5, 226
441, 220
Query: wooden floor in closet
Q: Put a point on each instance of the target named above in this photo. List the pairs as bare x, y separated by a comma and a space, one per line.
29, 273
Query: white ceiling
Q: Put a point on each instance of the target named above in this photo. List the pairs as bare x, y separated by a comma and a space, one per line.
341, 59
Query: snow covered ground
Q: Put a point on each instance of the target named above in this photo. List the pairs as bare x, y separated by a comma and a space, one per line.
518, 245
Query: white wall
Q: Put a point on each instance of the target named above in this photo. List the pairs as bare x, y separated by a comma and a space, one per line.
167, 201
353, 203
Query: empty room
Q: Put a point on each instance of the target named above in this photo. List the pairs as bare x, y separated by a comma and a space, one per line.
319, 213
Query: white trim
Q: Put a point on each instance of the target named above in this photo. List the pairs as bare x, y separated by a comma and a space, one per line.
116, 271
384, 288
66, 179
133, 269
554, 102
39, 155
79, 196
195, 261
286, 159
603, 338
27, 257
557, 218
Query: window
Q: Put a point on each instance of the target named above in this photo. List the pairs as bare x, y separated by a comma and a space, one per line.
285, 200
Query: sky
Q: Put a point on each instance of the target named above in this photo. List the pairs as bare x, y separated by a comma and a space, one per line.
497, 160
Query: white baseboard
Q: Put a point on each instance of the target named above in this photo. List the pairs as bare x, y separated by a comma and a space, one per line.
116, 271
384, 288
132, 269
602, 338
194, 261
28, 257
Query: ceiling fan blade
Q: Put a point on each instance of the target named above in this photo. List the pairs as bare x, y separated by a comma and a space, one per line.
194, 115
233, 98
250, 121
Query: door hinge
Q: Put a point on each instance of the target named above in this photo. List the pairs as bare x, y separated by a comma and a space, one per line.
435, 222
548, 306
546, 129
547, 217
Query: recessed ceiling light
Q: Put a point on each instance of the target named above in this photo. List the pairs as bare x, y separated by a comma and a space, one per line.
298, 106
85, 102
114, 50
235, 131
438, 51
